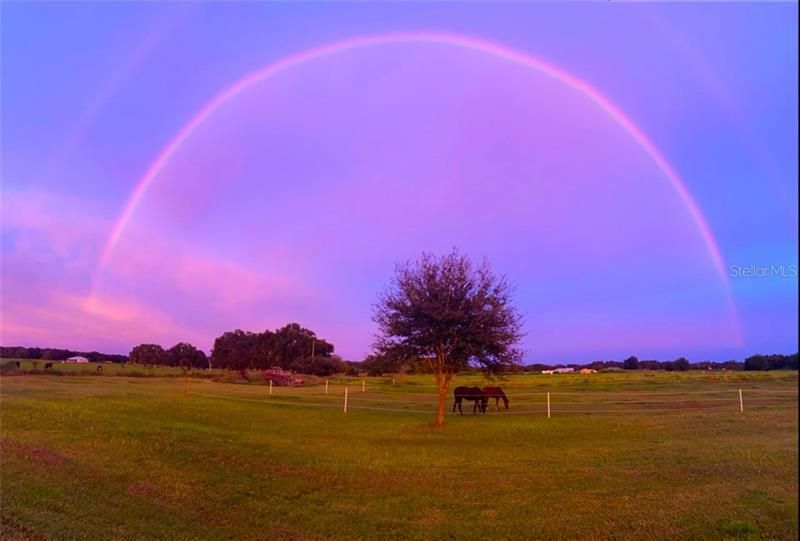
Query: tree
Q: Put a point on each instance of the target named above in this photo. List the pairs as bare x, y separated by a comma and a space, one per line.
376, 365
631, 363
451, 313
681, 364
290, 347
294, 344
186, 356
235, 350
148, 354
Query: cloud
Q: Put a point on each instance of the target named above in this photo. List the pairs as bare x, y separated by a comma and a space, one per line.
155, 288
94, 323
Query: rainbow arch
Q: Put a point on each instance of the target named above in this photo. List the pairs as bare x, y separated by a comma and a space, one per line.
470, 43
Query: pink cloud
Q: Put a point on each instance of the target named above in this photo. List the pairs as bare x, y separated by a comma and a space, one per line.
71, 320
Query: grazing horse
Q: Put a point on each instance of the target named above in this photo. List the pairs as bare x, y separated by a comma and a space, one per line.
48, 365
496, 393
470, 393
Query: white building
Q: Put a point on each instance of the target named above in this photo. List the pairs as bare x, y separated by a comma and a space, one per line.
563, 370
77, 359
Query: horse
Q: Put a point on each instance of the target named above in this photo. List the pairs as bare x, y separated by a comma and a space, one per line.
47, 366
470, 393
496, 393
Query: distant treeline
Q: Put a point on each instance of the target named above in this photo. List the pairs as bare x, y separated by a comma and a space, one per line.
55, 354
296, 348
291, 347
754, 362
376, 365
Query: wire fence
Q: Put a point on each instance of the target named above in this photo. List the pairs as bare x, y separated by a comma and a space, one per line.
540, 403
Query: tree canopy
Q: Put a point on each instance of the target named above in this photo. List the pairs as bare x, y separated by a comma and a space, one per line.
291, 347
148, 354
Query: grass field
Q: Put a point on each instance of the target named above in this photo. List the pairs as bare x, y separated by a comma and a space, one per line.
624, 456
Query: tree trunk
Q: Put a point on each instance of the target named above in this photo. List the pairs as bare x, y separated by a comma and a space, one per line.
443, 382
442, 401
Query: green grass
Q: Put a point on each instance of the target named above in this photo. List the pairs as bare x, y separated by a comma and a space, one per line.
660, 456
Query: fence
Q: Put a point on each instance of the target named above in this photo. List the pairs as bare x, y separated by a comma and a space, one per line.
541, 403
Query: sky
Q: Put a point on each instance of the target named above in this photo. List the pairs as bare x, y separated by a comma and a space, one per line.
171, 171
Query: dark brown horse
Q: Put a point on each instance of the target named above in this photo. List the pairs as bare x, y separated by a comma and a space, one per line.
470, 393
496, 393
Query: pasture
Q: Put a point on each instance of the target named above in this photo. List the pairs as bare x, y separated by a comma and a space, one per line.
641, 455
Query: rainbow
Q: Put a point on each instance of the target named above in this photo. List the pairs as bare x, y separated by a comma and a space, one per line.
464, 42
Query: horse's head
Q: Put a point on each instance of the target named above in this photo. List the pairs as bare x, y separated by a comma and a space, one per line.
505, 401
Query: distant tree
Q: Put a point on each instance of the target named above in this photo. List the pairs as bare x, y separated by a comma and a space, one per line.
378, 364
53, 354
732, 365
681, 364
631, 363
650, 365
291, 347
186, 356
293, 344
325, 365
450, 313
771, 362
235, 350
756, 362
148, 354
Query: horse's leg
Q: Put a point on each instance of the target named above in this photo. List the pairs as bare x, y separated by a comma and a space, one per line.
497, 403
455, 401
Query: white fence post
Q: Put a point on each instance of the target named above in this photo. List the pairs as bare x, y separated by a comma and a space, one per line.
270, 387
345, 399
326, 386
363, 386
741, 402
548, 405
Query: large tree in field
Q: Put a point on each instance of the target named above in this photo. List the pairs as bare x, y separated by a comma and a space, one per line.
148, 354
451, 313
186, 356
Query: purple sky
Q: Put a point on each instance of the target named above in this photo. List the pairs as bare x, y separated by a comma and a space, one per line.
294, 198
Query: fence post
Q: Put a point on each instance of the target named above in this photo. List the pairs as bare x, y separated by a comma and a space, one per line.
326, 386
270, 387
345, 399
363, 385
548, 404
741, 402
186, 390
